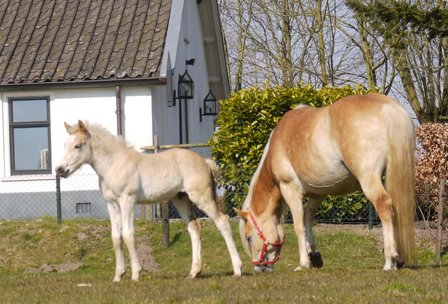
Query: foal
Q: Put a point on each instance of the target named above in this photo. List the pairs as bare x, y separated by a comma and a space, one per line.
127, 177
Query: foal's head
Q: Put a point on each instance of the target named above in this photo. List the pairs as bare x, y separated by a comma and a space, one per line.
77, 149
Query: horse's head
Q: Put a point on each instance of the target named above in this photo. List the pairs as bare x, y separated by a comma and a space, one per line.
77, 149
262, 239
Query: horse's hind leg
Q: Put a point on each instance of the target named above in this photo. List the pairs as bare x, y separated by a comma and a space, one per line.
207, 204
375, 192
185, 208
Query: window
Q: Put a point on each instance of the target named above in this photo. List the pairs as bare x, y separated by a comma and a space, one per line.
30, 135
83, 208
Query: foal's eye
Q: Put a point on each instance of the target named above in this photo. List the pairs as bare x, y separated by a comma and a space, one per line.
248, 238
78, 146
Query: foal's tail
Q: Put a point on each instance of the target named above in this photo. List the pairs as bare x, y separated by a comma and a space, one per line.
400, 177
215, 172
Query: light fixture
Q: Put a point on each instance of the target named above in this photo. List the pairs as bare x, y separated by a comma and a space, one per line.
185, 86
185, 91
210, 106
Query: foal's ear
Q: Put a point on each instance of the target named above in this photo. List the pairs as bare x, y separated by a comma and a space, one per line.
69, 128
82, 127
243, 214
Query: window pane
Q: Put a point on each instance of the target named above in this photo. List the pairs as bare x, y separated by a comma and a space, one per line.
29, 110
31, 148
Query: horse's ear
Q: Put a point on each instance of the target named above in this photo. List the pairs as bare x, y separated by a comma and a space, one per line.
82, 127
69, 128
243, 214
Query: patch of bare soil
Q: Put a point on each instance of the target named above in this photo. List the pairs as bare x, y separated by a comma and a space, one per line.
65, 267
144, 255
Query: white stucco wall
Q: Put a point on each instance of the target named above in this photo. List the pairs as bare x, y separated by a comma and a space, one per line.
97, 105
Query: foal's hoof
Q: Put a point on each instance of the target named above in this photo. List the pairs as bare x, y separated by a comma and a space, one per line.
316, 259
193, 275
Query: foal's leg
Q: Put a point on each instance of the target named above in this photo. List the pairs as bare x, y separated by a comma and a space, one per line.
185, 208
127, 213
310, 211
207, 204
116, 225
375, 192
293, 197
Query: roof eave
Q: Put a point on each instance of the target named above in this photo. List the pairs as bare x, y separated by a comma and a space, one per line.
82, 84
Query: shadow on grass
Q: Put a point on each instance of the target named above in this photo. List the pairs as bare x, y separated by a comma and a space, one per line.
432, 266
175, 238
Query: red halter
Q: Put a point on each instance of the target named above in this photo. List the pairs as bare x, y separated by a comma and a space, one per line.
261, 260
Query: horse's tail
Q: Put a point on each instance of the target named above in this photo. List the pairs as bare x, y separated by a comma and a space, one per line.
400, 178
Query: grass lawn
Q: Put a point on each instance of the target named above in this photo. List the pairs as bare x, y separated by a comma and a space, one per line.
36, 259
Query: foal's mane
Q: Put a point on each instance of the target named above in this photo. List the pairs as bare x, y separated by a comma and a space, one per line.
105, 138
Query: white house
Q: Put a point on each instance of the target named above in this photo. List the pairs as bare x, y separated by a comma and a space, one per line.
117, 63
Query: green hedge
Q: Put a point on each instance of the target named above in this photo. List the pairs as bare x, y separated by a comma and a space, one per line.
244, 123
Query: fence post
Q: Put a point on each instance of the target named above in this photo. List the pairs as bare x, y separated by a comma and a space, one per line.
440, 222
163, 206
371, 214
58, 200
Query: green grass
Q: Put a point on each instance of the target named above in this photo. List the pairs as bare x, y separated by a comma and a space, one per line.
352, 271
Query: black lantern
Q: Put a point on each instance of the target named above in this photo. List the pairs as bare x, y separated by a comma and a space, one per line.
185, 86
185, 90
210, 106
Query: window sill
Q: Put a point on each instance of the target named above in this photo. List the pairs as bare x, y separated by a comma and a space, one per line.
27, 178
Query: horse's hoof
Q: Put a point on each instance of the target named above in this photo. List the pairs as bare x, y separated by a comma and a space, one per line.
316, 259
400, 263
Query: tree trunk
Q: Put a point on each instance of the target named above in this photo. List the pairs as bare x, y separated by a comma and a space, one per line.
241, 47
286, 60
367, 54
401, 63
321, 42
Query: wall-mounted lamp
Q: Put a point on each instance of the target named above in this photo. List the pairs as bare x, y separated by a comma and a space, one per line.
210, 106
185, 86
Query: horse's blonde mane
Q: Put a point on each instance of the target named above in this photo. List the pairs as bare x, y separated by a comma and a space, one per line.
256, 174
301, 105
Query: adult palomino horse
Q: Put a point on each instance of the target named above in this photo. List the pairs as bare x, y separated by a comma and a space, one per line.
314, 152
128, 177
